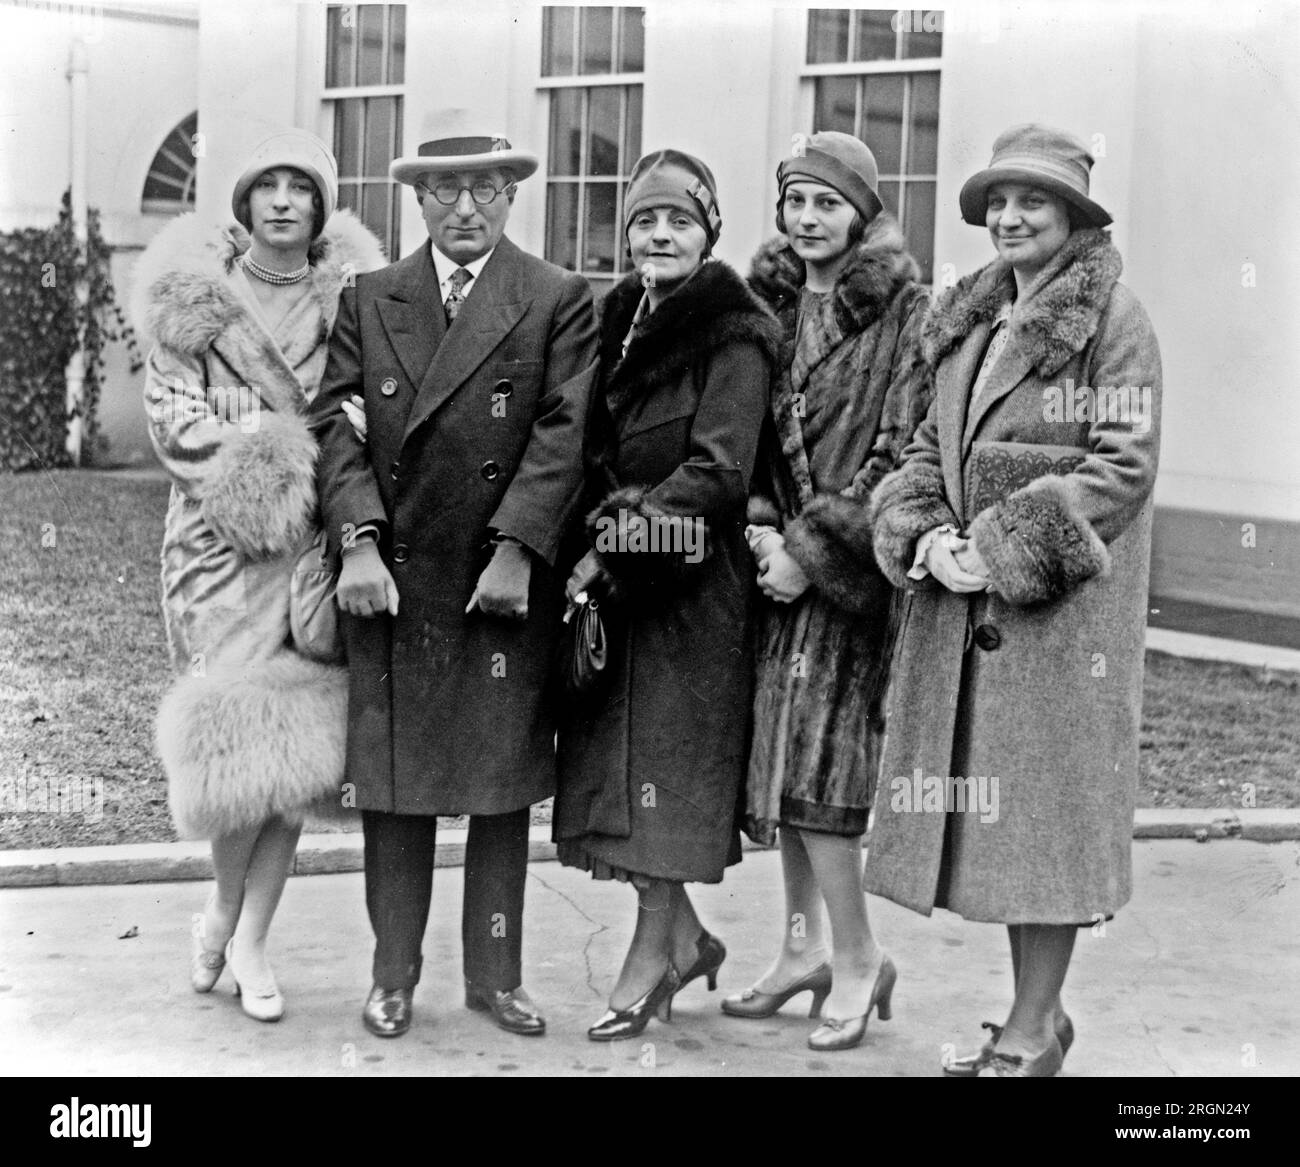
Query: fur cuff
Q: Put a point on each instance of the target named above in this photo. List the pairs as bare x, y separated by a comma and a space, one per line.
245, 743
261, 494
831, 541
762, 512
905, 505
639, 542
1035, 546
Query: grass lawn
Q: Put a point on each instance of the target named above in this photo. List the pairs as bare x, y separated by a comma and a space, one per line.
83, 664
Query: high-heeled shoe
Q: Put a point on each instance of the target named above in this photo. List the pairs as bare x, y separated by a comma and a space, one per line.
712, 952
835, 1034
617, 1024
755, 1004
205, 967
970, 1065
1044, 1065
261, 1002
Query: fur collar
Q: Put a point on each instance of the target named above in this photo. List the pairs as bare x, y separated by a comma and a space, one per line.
1053, 320
180, 296
866, 286
712, 308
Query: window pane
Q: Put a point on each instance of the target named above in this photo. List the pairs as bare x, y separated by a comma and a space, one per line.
929, 41
632, 129
889, 196
918, 226
564, 151
923, 143
557, 41
834, 102
828, 36
882, 120
876, 37
347, 136
396, 44
631, 55
375, 204
602, 130
394, 240
370, 70
599, 236
597, 41
349, 196
340, 45
379, 135
562, 224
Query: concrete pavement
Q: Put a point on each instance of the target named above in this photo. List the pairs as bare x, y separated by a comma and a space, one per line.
1195, 977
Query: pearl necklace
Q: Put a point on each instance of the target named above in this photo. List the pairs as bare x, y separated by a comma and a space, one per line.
266, 275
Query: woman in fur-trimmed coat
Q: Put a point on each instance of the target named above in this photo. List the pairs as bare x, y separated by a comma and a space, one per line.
1020, 522
851, 390
252, 731
649, 779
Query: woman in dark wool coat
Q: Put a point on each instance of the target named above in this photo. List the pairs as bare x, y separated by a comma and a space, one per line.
851, 391
649, 781
1021, 522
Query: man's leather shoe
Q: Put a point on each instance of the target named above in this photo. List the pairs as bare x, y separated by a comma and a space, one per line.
388, 1011
512, 1009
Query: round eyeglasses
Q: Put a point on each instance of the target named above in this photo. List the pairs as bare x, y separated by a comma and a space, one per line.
448, 192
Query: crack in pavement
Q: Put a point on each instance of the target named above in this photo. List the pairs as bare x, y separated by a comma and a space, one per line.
586, 948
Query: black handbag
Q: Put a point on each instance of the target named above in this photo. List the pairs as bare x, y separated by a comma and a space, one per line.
584, 664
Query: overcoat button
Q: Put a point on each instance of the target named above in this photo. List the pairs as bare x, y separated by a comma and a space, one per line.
397, 466
388, 387
503, 388
401, 553
988, 637
490, 470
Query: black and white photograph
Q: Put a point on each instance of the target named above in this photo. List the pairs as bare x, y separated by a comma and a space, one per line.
709, 539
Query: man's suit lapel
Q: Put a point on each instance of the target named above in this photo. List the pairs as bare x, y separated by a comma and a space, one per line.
413, 317
496, 303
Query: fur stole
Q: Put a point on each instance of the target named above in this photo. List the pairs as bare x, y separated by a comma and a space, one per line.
710, 310
865, 288
179, 293
1054, 319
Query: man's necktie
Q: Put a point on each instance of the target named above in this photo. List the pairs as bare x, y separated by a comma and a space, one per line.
456, 298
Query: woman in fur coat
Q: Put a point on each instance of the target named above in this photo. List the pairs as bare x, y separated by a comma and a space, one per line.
648, 781
851, 390
252, 731
1020, 522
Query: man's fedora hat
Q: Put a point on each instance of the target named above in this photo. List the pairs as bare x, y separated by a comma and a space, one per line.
1038, 156
490, 152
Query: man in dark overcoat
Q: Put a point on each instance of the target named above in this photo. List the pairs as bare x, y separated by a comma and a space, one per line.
474, 363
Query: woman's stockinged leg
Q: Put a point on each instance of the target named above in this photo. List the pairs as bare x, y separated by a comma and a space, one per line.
651, 951
268, 870
803, 937
231, 854
837, 864
1045, 951
686, 929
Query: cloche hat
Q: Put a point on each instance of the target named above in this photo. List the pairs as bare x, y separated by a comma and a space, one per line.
838, 160
1039, 156
303, 151
673, 178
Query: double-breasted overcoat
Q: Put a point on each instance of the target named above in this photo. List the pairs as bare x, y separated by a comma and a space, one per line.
1010, 763
472, 429
649, 781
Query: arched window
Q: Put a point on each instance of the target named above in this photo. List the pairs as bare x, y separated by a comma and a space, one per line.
169, 188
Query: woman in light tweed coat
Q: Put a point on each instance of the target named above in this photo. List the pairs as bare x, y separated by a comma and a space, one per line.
1021, 523
252, 731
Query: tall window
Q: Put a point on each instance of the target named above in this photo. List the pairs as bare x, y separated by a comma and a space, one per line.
875, 74
593, 62
365, 68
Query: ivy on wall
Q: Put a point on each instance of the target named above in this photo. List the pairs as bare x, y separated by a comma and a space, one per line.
39, 272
